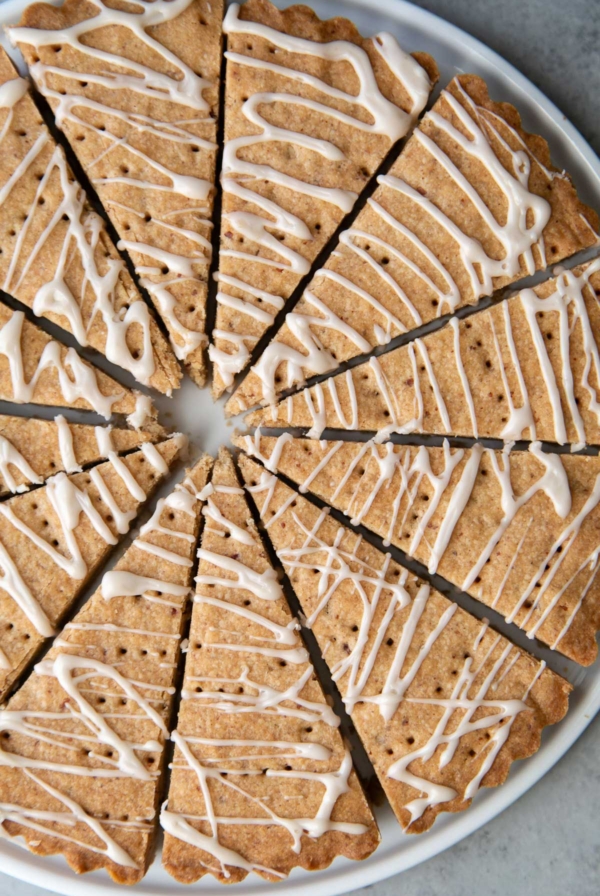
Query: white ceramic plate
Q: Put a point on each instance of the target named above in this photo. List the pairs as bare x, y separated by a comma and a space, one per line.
194, 413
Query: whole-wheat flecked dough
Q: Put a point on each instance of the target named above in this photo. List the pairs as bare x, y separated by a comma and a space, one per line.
444, 652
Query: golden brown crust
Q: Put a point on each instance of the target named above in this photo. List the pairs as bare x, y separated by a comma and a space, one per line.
566, 615
21, 211
143, 216
213, 628
363, 152
473, 392
416, 293
463, 644
47, 389
51, 586
139, 656
303, 21
37, 441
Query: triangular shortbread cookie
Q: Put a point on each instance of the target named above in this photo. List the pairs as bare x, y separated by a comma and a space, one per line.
312, 109
528, 367
36, 369
82, 752
518, 530
261, 778
57, 257
32, 450
135, 91
442, 703
53, 539
472, 204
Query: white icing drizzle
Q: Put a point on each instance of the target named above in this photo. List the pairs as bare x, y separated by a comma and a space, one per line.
526, 213
264, 585
267, 700
142, 413
68, 501
334, 785
230, 363
81, 236
80, 383
104, 440
335, 567
154, 458
317, 360
111, 627
401, 473
383, 118
77, 676
500, 717
65, 445
526, 217
11, 456
562, 392
88, 728
120, 583
73, 814
463, 380
179, 86
11, 581
178, 500
212, 758
12, 91
232, 530
252, 447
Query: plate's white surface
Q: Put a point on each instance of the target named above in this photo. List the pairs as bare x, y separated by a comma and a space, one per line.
194, 413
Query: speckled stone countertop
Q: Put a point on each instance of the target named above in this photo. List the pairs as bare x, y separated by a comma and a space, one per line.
548, 842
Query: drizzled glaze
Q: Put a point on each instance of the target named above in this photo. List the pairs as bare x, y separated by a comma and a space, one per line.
77, 383
72, 814
383, 487
378, 237
336, 558
142, 412
83, 678
11, 456
80, 676
180, 90
239, 173
558, 401
223, 760
80, 239
68, 501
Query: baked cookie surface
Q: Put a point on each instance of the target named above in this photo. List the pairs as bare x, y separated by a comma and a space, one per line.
83, 739
472, 204
442, 703
311, 111
134, 88
262, 780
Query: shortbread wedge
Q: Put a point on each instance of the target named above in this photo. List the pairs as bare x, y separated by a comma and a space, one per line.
135, 90
472, 204
36, 369
82, 741
262, 780
57, 257
53, 539
517, 530
442, 703
526, 368
311, 110
32, 450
